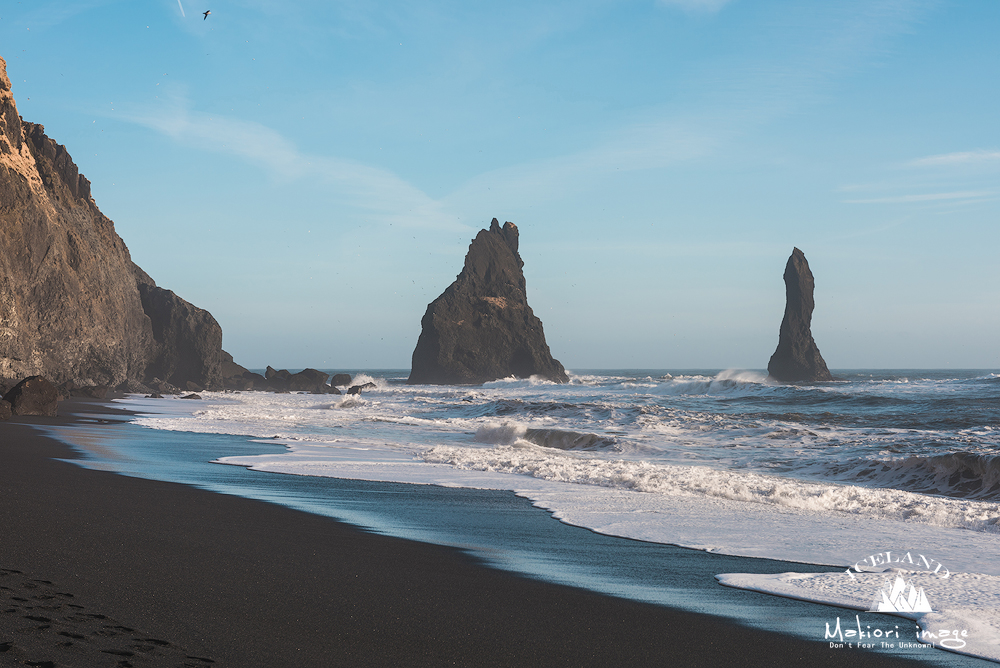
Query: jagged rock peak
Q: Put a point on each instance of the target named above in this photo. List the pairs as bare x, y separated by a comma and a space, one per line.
797, 358
481, 327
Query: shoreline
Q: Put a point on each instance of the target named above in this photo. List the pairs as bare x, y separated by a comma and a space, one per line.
250, 583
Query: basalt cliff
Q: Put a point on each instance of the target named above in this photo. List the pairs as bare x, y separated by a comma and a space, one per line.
481, 327
797, 358
74, 308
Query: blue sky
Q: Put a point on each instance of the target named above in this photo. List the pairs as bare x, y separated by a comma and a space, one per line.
312, 172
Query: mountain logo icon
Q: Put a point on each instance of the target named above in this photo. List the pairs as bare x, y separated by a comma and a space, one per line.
900, 596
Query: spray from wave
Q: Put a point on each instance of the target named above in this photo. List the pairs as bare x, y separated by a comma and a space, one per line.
510, 433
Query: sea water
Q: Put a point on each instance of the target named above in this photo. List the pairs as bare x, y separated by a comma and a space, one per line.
898, 462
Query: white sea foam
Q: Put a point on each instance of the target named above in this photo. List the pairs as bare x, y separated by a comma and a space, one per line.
500, 433
727, 462
670, 480
965, 616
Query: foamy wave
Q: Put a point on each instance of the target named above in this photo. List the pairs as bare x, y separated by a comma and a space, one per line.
730, 381
699, 480
960, 474
344, 401
510, 433
364, 378
965, 601
512, 382
504, 433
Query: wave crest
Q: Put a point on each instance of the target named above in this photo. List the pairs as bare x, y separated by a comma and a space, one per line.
509, 433
963, 475
673, 480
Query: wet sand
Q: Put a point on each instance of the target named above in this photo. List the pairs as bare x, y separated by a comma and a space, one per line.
104, 570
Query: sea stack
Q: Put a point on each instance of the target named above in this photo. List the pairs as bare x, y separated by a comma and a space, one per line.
74, 308
481, 328
797, 358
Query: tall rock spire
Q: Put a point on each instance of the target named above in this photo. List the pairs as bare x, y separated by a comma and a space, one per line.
797, 357
481, 327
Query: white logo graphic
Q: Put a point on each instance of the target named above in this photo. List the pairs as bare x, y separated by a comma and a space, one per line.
900, 596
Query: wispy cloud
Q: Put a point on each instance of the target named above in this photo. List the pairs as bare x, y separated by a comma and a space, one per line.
927, 197
378, 191
959, 158
642, 146
705, 6
59, 11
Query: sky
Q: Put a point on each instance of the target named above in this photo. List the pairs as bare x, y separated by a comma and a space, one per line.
313, 172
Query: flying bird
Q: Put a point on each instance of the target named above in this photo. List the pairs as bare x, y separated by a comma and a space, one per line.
206, 14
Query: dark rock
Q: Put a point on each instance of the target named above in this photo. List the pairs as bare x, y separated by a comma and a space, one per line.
257, 381
234, 376
190, 396
154, 395
308, 380
5, 410
271, 374
134, 387
797, 358
239, 378
193, 387
91, 392
354, 389
229, 368
237, 384
163, 387
481, 328
340, 380
187, 344
33, 396
72, 303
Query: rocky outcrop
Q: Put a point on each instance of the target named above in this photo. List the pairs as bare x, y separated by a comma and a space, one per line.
797, 358
340, 380
33, 396
73, 306
481, 328
187, 340
309, 380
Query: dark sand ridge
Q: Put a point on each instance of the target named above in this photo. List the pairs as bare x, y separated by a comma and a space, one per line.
247, 583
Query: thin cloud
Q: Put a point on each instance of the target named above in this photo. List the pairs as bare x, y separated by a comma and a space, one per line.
54, 13
644, 146
927, 197
376, 190
701, 6
958, 158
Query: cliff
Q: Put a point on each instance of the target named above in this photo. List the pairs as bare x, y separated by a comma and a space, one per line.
797, 358
481, 327
71, 299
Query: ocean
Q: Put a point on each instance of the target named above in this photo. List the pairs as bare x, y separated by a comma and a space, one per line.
874, 478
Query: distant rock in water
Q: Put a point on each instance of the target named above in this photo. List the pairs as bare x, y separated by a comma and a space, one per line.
797, 357
73, 306
481, 328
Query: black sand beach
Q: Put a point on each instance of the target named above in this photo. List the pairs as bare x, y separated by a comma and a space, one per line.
100, 569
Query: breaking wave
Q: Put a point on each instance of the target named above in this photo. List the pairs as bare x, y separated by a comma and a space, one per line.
963, 475
509, 433
666, 479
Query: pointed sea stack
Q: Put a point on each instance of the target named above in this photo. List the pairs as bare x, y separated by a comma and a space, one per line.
481, 328
797, 357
